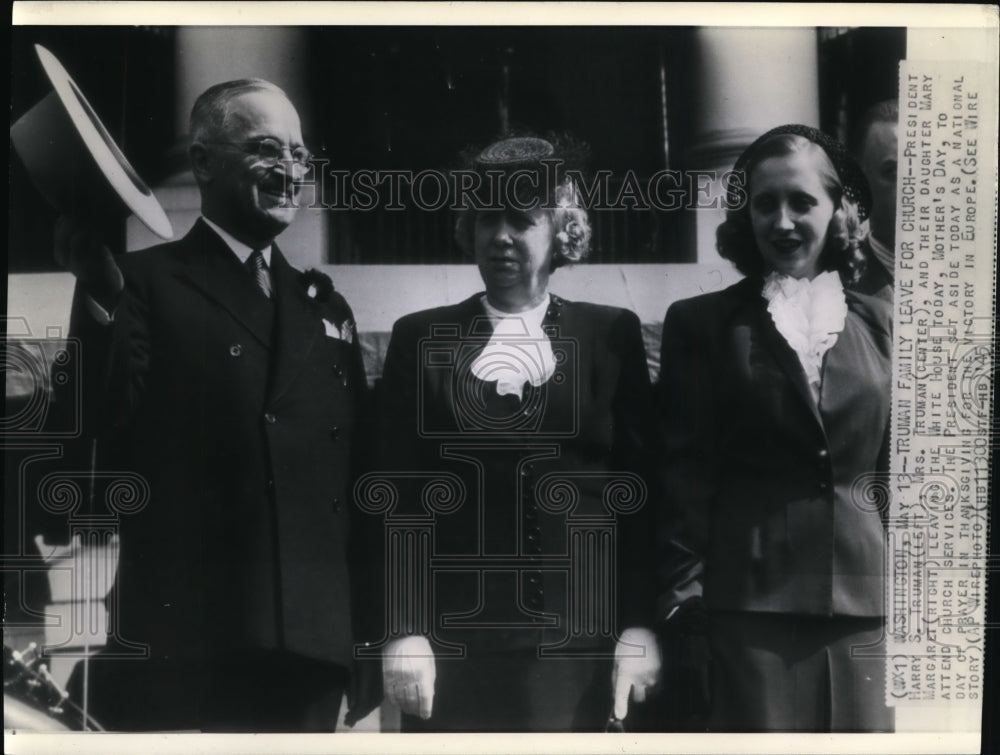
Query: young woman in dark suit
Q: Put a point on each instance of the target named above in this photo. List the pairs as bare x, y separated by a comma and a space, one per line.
535, 411
775, 408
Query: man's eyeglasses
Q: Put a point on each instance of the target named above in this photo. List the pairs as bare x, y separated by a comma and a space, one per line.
271, 152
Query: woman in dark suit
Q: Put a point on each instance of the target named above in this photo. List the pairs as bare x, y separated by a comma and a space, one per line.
530, 415
775, 407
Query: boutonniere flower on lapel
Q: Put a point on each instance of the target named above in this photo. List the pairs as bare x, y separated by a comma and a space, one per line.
333, 309
318, 286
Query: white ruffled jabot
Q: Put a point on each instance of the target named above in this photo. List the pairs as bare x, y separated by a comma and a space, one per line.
809, 315
518, 352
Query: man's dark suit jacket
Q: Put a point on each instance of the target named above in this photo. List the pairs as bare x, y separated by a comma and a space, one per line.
531, 468
765, 491
875, 280
239, 411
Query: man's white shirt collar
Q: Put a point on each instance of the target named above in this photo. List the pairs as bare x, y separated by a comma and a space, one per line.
241, 250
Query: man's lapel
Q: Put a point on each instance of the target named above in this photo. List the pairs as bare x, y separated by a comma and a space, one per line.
215, 270
297, 326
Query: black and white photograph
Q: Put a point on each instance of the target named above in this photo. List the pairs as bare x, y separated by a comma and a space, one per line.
447, 377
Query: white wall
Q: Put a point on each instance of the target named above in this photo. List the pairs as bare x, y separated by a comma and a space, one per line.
380, 294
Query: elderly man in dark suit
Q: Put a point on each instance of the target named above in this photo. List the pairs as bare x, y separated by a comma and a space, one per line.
235, 386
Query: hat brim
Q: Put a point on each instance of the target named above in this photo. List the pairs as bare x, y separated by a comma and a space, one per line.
108, 158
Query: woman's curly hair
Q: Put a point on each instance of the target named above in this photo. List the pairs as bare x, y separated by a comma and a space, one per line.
571, 227
842, 252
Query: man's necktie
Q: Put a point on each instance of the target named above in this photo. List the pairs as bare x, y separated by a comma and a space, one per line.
260, 272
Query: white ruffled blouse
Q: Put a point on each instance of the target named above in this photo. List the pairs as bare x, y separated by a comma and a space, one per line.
518, 352
810, 316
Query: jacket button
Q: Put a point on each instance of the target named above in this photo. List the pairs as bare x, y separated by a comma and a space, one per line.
235, 350
336, 504
334, 433
270, 418
823, 453
338, 371
824, 485
270, 484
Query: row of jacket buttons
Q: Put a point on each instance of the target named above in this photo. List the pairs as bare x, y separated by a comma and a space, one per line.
555, 308
534, 592
334, 431
236, 350
334, 434
824, 468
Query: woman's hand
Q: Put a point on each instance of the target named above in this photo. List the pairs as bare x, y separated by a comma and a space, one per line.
408, 674
636, 669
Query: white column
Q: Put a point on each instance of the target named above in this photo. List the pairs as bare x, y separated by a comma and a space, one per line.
207, 56
749, 80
